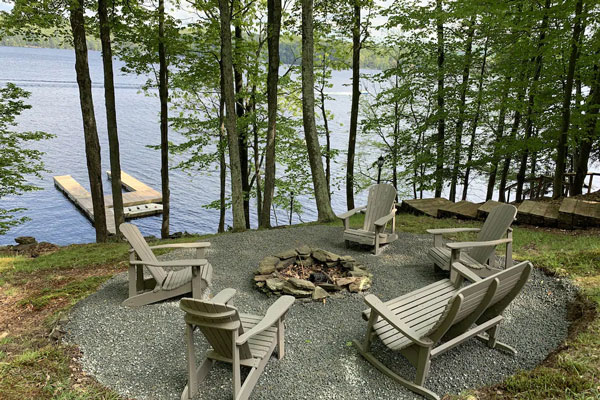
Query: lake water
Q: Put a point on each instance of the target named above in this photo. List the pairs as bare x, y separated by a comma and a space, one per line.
50, 77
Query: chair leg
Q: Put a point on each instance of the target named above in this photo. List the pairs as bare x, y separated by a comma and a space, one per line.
280, 339
423, 363
191, 359
377, 243
237, 369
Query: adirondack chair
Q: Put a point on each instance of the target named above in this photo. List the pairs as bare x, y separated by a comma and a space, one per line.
191, 276
478, 255
238, 339
380, 210
416, 323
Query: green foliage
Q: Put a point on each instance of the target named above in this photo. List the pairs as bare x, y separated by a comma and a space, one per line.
18, 162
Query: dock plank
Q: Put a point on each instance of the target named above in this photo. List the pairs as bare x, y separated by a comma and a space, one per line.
486, 208
425, 206
541, 213
463, 209
140, 201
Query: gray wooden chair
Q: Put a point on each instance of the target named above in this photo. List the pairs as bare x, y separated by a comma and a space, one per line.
416, 324
478, 255
379, 211
190, 276
238, 339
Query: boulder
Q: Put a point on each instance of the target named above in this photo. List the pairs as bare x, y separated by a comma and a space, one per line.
290, 289
267, 265
25, 240
302, 284
275, 284
345, 281
291, 253
307, 262
325, 256
330, 287
360, 284
359, 272
261, 278
303, 251
319, 293
286, 262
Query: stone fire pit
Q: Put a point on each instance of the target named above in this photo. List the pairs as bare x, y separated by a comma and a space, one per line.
306, 272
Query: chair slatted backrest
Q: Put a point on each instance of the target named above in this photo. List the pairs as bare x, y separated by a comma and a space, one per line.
217, 322
481, 300
512, 281
379, 204
143, 251
495, 226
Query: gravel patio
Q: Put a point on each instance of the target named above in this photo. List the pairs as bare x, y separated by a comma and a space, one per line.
139, 352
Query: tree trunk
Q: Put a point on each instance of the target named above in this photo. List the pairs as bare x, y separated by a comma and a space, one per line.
441, 123
325, 213
475, 122
256, 154
590, 135
237, 194
240, 110
561, 151
513, 134
327, 133
222, 149
111, 115
356, 47
273, 30
499, 134
461, 108
531, 102
163, 94
92, 145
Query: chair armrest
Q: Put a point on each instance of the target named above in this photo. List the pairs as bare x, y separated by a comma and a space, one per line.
385, 219
172, 263
451, 230
194, 245
350, 213
224, 296
469, 245
384, 312
274, 314
465, 272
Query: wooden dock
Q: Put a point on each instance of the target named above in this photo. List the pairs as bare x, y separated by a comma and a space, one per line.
140, 201
486, 208
425, 206
578, 213
540, 213
463, 210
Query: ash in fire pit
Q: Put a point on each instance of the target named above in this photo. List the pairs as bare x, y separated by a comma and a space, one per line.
306, 272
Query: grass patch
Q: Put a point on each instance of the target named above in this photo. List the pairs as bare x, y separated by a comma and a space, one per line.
34, 293
72, 292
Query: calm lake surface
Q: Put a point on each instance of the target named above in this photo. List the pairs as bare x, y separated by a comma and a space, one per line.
49, 75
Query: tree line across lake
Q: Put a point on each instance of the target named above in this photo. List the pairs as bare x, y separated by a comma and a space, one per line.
503, 90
